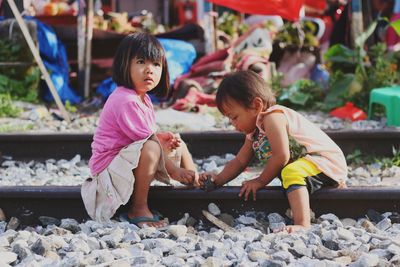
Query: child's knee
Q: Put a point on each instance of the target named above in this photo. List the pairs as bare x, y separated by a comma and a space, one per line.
291, 177
151, 150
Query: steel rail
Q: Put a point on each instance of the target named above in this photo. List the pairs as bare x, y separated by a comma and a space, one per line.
29, 202
27, 146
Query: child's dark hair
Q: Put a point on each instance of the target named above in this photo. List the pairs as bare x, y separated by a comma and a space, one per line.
140, 45
243, 87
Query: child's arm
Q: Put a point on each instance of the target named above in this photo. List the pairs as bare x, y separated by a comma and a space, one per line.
275, 124
181, 175
234, 167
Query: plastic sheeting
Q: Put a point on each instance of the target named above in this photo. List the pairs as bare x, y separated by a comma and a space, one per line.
54, 57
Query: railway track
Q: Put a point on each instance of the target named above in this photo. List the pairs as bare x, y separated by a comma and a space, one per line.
28, 203
201, 144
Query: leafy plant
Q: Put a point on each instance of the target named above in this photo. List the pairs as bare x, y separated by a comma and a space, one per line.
230, 24
358, 158
355, 72
7, 107
303, 93
69, 107
297, 35
20, 81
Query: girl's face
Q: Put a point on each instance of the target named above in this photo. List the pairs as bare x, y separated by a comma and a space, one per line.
145, 74
242, 118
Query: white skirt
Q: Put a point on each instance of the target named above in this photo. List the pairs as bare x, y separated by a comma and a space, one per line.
113, 187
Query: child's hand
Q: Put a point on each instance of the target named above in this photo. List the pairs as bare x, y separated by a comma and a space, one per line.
183, 176
251, 187
168, 141
204, 176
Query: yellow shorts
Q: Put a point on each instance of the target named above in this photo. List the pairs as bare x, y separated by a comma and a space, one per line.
303, 172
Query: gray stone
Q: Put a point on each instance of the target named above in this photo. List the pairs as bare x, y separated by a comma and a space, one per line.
13, 224
2, 216
177, 230
7, 258
40, 247
173, 261
46, 220
275, 218
227, 218
345, 234
213, 209
366, 260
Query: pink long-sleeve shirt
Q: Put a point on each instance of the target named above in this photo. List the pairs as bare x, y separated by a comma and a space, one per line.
125, 119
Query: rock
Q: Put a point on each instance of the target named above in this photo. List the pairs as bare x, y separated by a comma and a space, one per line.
384, 224
46, 220
2, 216
7, 258
344, 260
177, 230
13, 224
40, 247
374, 216
345, 234
227, 218
246, 220
213, 209
366, 260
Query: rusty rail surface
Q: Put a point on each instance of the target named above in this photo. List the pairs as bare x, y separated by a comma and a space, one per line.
201, 144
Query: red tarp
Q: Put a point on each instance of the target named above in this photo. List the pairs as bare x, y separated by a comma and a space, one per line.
287, 9
317, 4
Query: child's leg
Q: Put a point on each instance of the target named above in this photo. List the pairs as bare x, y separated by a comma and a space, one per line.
187, 160
144, 174
294, 182
300, 205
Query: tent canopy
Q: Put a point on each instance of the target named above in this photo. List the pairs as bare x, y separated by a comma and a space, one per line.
287, 9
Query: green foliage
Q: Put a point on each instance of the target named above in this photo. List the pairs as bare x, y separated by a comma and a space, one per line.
21, 81
7, 108
304, 94
357, 158
297, 35
353, 76
230, 24
69, 107
396, 26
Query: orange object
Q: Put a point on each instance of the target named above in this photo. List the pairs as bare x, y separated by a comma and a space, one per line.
350, 112
50, 9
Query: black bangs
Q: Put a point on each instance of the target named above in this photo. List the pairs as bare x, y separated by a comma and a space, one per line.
148, 48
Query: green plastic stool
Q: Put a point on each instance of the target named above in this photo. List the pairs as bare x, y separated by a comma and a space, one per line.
389, 97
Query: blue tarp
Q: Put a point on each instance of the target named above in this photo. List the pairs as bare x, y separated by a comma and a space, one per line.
180, 56
54, 57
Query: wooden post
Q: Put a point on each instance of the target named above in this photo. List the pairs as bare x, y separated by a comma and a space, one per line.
88, 48
357, 26
81, 32
38, 59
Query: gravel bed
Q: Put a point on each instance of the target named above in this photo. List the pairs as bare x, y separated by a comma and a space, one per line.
252, 241
76, 170
211, 120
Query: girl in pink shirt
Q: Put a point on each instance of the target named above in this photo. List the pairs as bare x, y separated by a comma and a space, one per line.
127, 153
291, 147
